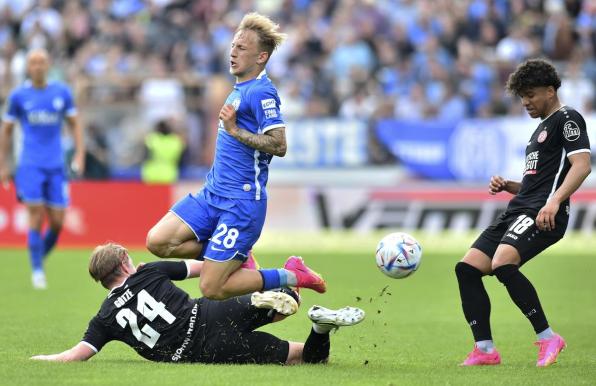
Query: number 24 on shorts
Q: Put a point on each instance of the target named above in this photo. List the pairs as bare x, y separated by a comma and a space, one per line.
229, 236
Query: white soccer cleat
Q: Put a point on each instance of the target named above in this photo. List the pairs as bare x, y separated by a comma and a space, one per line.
278, 301
347, 316
39, 280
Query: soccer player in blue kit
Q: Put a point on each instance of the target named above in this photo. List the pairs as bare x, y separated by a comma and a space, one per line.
40, 177
223, 221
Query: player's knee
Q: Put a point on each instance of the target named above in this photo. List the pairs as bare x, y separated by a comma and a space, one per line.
504, 272
211, 290
156, 245
464, 270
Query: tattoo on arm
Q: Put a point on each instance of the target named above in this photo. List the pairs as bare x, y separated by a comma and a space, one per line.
272, 142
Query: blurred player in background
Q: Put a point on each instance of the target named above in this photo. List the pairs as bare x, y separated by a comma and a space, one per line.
224, 220
557, 162
145, 310
40, 176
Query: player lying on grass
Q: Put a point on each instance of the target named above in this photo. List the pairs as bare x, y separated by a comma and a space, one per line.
145, 310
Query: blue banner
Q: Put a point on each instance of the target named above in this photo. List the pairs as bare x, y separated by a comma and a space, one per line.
470, 150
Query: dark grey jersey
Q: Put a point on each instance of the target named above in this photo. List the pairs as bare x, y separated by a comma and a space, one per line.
557, 137
150, 314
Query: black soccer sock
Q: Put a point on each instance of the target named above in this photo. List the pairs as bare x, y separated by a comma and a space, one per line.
474, 300
523, 294
316, 348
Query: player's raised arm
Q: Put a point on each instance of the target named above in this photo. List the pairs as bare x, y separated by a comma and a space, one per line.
5, 141
272, 141
80, 352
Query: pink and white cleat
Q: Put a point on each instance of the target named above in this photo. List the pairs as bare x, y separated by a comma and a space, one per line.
549, 350
307, 278
251, 262
480, 358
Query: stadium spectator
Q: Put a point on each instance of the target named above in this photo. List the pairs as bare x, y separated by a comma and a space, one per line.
164, 149
113, 50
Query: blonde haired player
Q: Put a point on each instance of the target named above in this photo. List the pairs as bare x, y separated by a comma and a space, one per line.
223, 221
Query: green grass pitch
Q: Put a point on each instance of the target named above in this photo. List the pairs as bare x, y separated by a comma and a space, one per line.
414, 332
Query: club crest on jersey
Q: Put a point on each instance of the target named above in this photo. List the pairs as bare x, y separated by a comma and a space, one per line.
542, 136
268, 103
58, 103
571, 131
236, 103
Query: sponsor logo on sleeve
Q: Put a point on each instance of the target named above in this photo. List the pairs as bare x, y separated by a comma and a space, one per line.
270, 113
571, 131
236, 103
268, 103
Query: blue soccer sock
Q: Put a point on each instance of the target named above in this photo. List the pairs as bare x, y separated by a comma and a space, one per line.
49, 240
276, 278
35, 244
271, 278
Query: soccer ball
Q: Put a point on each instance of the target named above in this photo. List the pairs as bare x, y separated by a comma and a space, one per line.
398, 255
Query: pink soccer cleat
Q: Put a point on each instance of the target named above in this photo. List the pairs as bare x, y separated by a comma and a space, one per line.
307, 278
251, 262
549, 350
480, 358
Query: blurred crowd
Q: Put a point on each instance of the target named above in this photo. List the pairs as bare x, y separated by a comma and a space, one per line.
369, 59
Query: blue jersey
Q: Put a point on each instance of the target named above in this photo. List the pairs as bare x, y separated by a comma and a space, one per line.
239, 171
41, 112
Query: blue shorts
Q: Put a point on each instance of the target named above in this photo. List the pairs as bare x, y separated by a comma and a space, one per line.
232, 226
42, 186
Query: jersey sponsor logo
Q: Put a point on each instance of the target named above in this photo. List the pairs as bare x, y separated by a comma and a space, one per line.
58, 103
191, 326
542, 136
268, 103
270, 113
236, 103
43, 117
531, 162
571, 131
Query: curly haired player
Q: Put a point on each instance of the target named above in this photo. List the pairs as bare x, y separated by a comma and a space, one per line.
557, 162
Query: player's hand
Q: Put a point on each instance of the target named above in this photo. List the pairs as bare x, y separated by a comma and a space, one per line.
227, 114
497, 184
78, 163
545, 221
140, 265
5, 176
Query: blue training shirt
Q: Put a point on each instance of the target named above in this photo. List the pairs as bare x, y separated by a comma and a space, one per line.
239, 171
41, 112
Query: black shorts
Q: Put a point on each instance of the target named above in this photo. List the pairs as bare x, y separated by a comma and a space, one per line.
519, 230
228, 336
